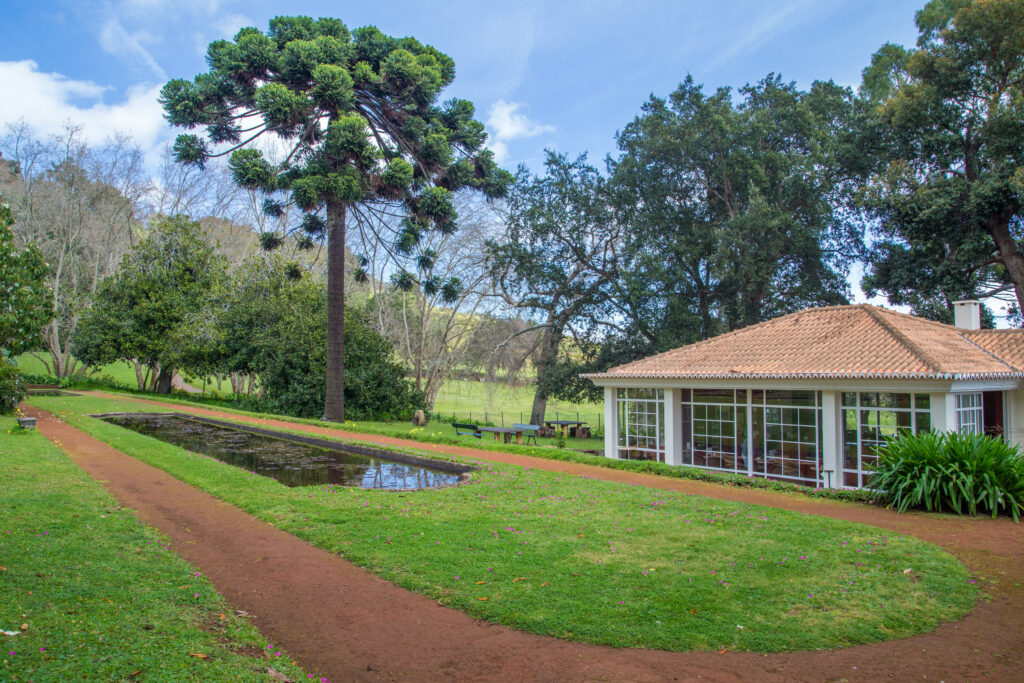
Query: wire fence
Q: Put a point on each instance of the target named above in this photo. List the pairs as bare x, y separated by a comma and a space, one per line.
500, 418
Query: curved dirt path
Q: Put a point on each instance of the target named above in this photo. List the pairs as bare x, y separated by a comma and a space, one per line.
342, 620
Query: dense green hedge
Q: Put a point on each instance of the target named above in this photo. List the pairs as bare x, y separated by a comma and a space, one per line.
12, 387
962, 473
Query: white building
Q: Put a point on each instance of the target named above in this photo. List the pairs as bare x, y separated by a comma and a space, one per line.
808, 396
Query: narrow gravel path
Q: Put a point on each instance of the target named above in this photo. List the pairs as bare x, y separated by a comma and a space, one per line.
342, 620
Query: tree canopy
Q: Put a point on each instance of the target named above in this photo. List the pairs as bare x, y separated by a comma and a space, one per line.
733, 208
358, 111
26, 303
154, 308
557, 258
950, 177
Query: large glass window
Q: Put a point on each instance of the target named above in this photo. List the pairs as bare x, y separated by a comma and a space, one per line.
791, 435
969, 413
641, 424
869, 418
715, 429
778, 435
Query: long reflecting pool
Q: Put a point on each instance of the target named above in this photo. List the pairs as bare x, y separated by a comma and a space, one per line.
287, 460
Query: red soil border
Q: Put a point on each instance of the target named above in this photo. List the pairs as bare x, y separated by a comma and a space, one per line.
342, 620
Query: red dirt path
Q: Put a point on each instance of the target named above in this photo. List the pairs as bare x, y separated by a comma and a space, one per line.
339, 619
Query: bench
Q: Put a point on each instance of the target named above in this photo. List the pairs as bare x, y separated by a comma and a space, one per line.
529, 431
463, 429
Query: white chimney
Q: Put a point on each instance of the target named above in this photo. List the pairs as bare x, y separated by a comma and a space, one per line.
967, 314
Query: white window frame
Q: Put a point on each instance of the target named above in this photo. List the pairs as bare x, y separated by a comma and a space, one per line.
635, 407
970, 413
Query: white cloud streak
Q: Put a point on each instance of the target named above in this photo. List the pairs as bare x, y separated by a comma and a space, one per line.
506, 123
115, 40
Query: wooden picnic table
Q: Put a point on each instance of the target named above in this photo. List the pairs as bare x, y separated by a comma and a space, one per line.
563, 425
507, 431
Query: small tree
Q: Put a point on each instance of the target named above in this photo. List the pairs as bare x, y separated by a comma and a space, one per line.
557, 257
153, 307
359, 113
26, 303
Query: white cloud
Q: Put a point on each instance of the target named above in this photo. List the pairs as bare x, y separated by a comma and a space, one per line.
115, 40
506, 123
48, 101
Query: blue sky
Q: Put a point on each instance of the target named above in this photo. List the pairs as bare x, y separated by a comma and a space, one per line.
562, 75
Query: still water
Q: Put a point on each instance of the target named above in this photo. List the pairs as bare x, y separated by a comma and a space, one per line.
290, 462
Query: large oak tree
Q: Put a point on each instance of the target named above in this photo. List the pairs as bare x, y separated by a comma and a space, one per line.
949, 188
360, 115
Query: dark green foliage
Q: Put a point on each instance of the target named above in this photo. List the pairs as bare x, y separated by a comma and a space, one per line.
12, 387
272, 324
289, 355
963, 473
947, 188
154, 308
26, 303
733, 208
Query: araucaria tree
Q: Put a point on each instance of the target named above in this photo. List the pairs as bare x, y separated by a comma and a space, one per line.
948, 193
359, 113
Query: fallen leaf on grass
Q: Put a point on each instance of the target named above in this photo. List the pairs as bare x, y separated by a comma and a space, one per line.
907, 571
198, 655
278, 676
520, 578
721, 652
546, 583
483, 598
480, 583
24, 627
10, 633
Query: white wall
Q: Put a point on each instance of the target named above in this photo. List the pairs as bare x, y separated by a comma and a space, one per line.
1015, 413
611, 424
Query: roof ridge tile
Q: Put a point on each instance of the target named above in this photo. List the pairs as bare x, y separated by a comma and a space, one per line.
904, 340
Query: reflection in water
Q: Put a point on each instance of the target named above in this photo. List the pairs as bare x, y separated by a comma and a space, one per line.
290, 462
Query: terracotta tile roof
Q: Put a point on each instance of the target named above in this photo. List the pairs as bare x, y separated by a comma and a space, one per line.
838, 342
1007, 345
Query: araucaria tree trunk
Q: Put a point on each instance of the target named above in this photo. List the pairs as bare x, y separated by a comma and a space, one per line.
334, 400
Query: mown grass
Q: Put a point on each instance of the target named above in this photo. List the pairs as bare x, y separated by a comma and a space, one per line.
596, 561
102, 596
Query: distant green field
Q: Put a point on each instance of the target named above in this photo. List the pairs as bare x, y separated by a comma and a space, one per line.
122, 373
493, 402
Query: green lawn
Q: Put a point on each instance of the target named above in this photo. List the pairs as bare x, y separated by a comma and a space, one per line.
101, 595
596, 561
122, 373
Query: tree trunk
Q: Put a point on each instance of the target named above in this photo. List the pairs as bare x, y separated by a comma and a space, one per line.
236, 384
139, 377
334, 399
548, 355
1009, 255
252, 384
163, 382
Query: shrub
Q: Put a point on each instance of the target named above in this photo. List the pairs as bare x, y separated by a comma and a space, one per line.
12, 387
964, 473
